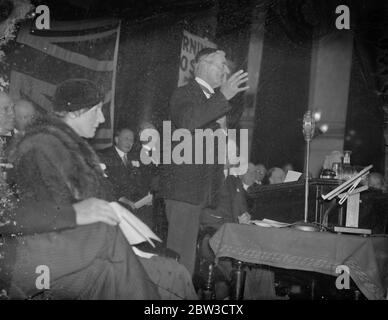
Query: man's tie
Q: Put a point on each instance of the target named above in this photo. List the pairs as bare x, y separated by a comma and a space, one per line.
206, 90
125, 160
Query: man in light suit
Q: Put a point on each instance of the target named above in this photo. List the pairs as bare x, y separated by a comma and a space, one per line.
201, 104
25, 113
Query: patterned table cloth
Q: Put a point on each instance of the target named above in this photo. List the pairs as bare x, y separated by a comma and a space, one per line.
366, 257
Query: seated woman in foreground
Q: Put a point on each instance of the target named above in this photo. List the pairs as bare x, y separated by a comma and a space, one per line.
94, 261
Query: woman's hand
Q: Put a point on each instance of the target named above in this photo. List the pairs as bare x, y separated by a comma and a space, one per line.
94, 210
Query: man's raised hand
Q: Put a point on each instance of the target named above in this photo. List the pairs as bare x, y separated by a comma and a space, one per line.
231, 87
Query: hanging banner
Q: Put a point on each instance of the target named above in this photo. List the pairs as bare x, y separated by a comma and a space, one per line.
191, 45
81, 49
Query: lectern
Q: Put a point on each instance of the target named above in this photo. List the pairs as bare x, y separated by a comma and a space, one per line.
352, 196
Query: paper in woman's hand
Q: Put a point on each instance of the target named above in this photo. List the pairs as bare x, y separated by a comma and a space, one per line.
135, 230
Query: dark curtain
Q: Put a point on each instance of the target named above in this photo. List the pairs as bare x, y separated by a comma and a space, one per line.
282, 98
364, 133
147, 71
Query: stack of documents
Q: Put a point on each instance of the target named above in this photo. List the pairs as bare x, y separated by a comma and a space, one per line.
292, 176
270, 223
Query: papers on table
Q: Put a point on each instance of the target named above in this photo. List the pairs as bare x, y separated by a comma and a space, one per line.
143, 201
292, 176
143, 254
132, 227
270, 223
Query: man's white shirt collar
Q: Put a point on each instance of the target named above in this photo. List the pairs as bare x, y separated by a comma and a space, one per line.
121, 153
206, 85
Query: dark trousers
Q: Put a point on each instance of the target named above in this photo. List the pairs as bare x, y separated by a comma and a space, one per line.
183, 226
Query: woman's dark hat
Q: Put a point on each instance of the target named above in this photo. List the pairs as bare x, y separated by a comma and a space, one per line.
76, 94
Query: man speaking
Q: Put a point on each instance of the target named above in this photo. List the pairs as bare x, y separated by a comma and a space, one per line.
201, 104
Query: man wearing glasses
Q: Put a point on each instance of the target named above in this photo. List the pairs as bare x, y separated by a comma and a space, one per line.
201, 104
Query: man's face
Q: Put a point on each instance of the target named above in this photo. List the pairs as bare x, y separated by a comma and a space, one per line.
124, 141
288, 167
250, 176
261, 171
277, 176
24, 114
86, 123
7, 117
216, 69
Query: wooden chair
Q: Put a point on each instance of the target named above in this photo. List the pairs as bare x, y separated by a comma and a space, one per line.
209, 280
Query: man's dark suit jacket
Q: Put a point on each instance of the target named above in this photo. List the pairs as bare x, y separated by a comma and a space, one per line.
231, 204
144, 177
134, 181
118, 174
190, 109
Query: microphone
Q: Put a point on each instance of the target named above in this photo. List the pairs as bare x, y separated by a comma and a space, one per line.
308, 125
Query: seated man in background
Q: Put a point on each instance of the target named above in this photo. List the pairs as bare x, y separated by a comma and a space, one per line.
261, 172
275, 175
127, 174
232, 208
25, 113
118, 166
231, 201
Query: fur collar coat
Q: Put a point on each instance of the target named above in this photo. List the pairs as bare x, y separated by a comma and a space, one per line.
53, 163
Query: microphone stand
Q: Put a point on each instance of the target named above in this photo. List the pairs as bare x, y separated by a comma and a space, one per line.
306, 185
308, 132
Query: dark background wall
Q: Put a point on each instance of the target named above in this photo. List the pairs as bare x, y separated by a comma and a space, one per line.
149, 57
282, 100
147, 71
364, 133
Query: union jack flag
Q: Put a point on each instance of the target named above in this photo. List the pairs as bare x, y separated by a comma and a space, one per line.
78, 49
